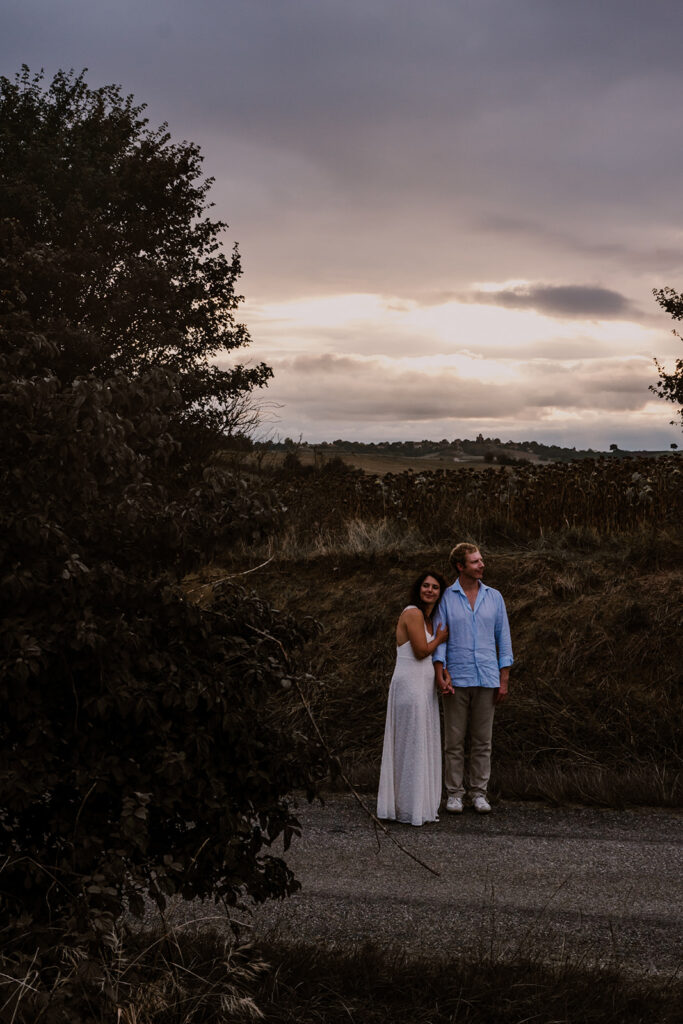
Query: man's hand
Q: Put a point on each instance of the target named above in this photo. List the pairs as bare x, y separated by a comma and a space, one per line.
444, 683
501, 693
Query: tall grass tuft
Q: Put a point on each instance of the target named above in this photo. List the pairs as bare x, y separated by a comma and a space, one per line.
355, 538
165, 976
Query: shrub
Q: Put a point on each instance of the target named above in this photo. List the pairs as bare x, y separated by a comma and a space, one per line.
140, 745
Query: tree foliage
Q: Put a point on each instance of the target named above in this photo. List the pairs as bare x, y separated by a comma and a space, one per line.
670, 385
108, 249
141, 745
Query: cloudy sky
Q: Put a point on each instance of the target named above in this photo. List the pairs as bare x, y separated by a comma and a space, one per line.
451, 213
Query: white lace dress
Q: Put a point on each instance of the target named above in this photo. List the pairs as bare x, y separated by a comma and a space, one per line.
410, 777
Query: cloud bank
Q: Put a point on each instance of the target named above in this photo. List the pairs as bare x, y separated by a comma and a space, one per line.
489, 182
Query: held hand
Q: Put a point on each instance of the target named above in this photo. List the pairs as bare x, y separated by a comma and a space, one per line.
444, 683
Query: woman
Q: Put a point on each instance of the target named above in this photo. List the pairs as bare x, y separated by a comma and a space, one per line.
410, 778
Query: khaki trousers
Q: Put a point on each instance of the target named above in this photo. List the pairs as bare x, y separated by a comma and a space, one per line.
471, 705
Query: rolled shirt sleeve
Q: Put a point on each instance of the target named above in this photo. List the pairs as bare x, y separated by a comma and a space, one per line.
503, 639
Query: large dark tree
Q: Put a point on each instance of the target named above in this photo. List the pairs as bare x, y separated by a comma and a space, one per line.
143, 746
109, 251
670, 385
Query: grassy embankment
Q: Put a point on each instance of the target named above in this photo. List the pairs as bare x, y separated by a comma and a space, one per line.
589, 558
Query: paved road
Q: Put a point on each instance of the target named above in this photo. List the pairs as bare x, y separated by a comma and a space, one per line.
600, 885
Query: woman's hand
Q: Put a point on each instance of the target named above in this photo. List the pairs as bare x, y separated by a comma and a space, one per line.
442, 676
441, 634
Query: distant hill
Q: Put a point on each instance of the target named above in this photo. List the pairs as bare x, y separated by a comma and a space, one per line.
482, 449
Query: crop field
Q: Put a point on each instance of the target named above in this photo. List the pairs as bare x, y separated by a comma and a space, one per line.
603, 497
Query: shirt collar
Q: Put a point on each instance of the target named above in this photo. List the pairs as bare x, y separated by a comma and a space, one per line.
456, 586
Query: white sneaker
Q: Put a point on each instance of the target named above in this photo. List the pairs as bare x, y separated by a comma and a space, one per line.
454, 804
481, 805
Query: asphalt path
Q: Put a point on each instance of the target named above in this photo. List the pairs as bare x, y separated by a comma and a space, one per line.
601, 887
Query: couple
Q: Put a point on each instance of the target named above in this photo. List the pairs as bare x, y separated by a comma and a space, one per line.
463, 646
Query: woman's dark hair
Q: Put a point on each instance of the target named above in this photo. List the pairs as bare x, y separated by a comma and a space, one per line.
415, 589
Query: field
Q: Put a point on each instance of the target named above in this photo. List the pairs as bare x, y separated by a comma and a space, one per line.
371, 462
374, 462
589, 557
593, 502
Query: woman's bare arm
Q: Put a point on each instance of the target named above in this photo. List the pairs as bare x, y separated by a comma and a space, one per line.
411, 627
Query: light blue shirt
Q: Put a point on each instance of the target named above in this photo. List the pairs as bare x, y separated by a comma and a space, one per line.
478, 644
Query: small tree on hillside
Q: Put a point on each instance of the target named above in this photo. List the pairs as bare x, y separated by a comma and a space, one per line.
670, 385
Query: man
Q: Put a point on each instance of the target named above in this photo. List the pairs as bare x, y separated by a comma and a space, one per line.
472, 670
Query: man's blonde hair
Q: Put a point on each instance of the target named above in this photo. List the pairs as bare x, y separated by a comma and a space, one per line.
458, 555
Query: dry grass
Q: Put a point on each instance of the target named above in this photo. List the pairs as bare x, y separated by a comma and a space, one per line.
596, 694
366, 986
646, 785
356, 538
187, 975
197, 977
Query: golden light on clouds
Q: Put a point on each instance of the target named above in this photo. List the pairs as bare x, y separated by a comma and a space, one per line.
455, 367
463, 366
383, 325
